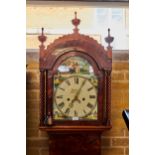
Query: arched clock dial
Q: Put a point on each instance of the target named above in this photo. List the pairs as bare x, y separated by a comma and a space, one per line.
76, 97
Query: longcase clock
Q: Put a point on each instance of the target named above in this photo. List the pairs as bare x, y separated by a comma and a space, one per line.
75, 99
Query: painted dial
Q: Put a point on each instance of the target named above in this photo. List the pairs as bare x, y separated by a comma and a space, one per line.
76, 97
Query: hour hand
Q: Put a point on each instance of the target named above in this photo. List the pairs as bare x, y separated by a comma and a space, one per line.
71, 104
76, 99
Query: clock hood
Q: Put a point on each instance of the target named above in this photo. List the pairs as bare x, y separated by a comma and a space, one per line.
78, 43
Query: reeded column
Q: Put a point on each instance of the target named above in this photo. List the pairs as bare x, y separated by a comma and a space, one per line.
42, 97
108, 96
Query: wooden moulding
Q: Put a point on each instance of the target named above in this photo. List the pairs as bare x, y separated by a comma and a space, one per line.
75, 128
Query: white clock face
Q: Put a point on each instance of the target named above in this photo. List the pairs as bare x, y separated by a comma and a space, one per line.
76, 97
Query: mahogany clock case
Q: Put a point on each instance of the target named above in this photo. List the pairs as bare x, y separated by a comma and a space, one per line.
51, 58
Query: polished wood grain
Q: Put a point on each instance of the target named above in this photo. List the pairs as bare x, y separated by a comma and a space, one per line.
62, 129
75, 144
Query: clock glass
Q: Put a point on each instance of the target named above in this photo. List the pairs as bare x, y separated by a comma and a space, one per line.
75, 91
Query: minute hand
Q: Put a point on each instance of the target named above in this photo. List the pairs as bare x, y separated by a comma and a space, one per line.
78, 92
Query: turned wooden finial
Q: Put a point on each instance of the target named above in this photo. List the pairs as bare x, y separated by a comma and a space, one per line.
109, 39
76, 22
42, 38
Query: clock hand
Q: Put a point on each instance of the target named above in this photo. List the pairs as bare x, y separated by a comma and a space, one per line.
76, 95
78, 92
71, 104
74, 99
78, 100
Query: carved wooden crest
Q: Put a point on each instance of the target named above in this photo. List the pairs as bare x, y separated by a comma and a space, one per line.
75, 42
